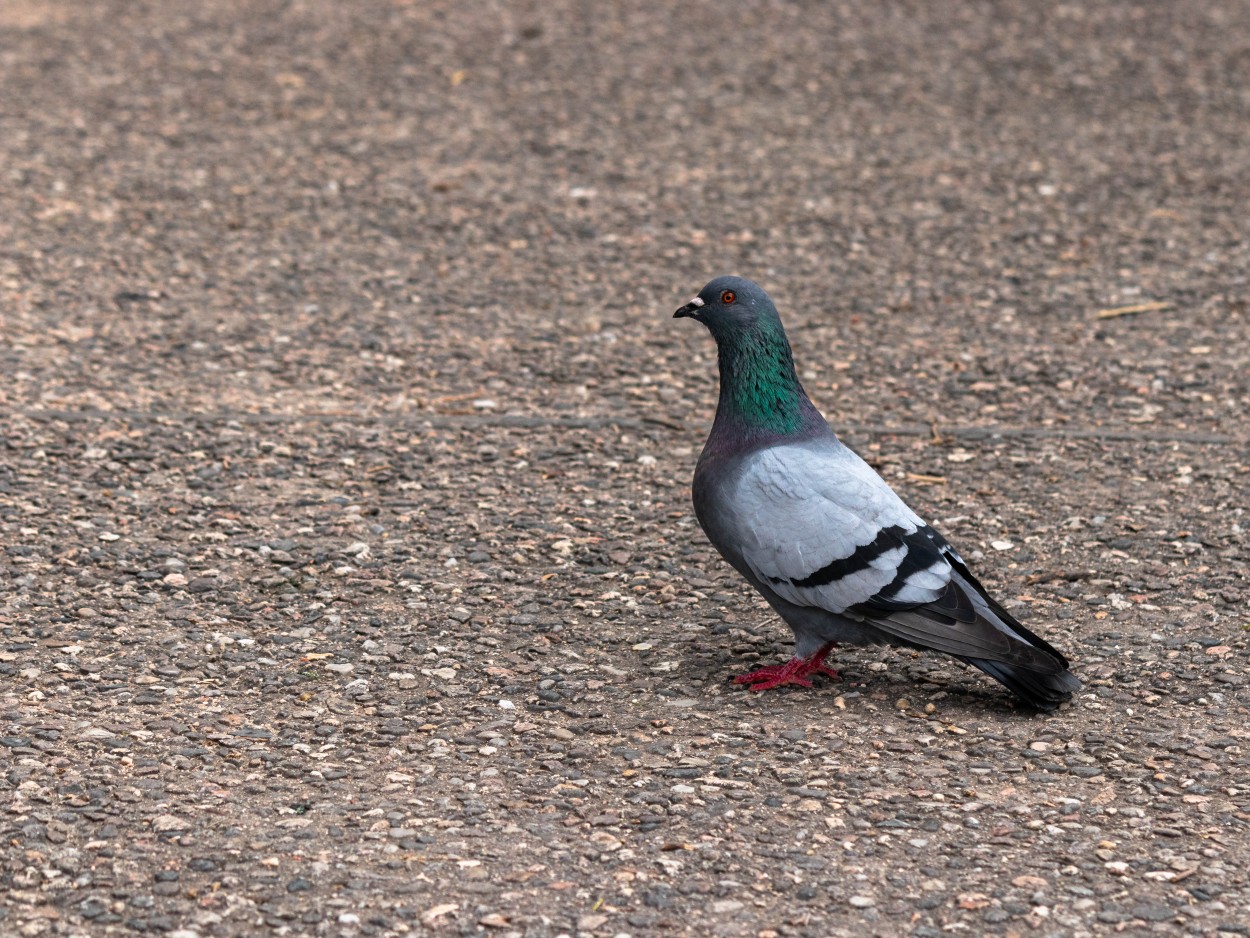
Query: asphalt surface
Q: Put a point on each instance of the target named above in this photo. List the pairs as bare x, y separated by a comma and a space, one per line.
348, 578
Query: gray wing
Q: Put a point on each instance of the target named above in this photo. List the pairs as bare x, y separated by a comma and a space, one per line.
821, 529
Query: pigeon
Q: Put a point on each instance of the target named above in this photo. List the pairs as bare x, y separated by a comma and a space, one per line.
835, 552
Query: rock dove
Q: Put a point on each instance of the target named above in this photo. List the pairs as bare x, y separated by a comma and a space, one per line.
833, 549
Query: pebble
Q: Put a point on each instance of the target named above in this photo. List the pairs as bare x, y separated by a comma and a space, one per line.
169, 822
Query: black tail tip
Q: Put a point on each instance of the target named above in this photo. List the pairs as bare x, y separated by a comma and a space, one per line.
1041, 691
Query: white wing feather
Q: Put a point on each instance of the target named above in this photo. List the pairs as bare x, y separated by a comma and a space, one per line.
797, 510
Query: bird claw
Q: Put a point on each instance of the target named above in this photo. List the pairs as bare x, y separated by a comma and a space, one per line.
795, 671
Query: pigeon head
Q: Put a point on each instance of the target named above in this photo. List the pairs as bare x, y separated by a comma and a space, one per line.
760, 394
731, 304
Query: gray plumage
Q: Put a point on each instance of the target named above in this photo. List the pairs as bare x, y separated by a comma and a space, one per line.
827, 542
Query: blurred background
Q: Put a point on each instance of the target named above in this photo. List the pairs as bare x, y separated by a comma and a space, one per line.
340, 205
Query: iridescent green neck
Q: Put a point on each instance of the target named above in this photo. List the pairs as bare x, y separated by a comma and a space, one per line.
759, 389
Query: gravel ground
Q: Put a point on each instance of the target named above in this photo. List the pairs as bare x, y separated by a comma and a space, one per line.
348, 578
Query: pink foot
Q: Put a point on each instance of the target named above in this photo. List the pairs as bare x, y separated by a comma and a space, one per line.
794, 671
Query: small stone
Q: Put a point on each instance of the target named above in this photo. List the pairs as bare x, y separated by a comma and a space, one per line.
1030, 882
591, 922
1153, 912
299, 884
725, 906
434, 913
56, 832
605, 841
862, 902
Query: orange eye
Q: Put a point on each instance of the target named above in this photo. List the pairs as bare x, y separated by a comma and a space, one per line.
727, 297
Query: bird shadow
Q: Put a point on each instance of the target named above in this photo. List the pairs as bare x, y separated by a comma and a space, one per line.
924, 694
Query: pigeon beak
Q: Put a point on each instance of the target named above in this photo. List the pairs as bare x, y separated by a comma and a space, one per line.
691, 309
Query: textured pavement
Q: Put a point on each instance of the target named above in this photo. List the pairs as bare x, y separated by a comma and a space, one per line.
348, 578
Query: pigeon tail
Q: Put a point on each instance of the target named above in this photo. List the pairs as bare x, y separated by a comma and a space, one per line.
1040, 690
